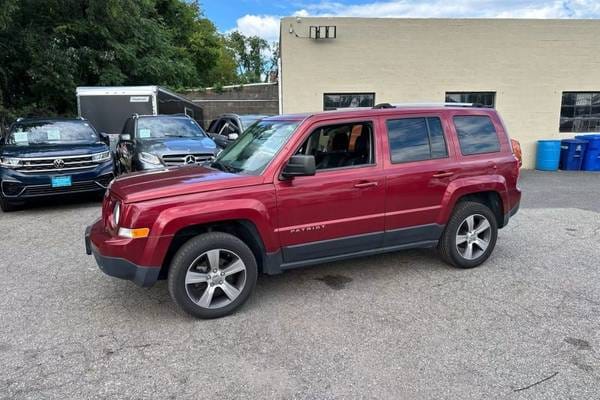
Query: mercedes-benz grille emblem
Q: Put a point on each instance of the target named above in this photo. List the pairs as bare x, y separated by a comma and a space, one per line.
59, 164
190, 159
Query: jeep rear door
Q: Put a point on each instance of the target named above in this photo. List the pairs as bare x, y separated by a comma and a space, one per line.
419, 163
339, 210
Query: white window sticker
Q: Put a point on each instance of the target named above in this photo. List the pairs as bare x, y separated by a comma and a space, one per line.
144, 133
21, 137
53, 134
139, 99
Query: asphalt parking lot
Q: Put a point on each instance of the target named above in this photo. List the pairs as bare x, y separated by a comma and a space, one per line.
526, 325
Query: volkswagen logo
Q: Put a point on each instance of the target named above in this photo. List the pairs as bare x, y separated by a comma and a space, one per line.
59, 163
190, 159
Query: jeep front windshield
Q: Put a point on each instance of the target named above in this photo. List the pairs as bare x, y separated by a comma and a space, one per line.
168, 127
39, 133
253, 151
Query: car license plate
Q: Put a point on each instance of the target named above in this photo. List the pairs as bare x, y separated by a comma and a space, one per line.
61, 181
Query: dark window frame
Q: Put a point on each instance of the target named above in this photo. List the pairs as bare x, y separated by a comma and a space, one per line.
329, 124
466, 93
499, 148
426, 118
326, 108
571, 119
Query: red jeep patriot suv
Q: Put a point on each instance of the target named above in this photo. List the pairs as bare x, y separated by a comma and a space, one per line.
296, 190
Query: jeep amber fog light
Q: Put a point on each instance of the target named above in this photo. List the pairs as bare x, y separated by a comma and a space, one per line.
134, 233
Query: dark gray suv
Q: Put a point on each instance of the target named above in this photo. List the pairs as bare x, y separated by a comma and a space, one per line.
226, 128
150, 142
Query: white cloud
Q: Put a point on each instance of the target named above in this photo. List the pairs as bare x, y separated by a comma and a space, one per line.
460, 8
267, 26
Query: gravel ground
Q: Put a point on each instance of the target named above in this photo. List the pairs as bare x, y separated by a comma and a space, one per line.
526, 325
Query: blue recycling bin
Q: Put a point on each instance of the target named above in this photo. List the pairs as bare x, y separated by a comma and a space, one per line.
591, 159
548, 155
572, 152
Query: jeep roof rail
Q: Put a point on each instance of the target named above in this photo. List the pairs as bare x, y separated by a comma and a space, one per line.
400, 105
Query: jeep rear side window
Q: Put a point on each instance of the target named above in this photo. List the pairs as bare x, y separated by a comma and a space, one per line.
476, 134
416, 139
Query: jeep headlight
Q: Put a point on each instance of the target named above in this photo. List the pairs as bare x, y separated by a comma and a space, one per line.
117, 214
9, 162
104, 156
150, 158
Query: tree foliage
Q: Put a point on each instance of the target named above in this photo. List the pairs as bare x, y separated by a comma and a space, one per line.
48, 48
255, 58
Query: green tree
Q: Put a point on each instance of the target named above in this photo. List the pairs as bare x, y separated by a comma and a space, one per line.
250, 55
48, 48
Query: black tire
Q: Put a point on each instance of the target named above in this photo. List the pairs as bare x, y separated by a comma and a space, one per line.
7, 206
194, 249
447, 245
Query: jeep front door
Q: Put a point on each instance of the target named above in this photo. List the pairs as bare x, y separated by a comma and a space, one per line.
340, 209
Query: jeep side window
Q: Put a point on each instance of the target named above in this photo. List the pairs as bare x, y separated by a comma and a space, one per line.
342, 145
416, 139
476, 134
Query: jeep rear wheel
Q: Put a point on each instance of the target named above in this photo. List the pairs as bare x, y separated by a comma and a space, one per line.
212, 275
470, 236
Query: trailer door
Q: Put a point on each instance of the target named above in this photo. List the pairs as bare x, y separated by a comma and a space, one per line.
108, 112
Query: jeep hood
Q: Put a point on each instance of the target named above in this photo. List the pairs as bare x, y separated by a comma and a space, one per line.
150, 185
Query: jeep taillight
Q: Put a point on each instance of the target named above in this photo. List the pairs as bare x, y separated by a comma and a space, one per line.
516, 149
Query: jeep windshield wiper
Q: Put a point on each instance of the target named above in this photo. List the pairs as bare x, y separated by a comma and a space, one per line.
225, 167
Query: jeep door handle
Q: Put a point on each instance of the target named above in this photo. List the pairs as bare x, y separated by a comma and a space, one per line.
443, 174
363, 185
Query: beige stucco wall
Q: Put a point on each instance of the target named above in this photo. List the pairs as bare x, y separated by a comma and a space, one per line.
528, 63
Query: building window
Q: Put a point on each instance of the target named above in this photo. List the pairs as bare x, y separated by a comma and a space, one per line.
333, 101
486, 99
580, 112
476, 134
416, 139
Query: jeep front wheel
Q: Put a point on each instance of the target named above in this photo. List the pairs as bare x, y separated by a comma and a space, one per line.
212, 275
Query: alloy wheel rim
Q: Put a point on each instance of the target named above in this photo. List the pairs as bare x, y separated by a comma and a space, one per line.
473, 236
215, 279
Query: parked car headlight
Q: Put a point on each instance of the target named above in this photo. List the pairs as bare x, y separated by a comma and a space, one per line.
101, 156
117, 213
150, 158
9, 162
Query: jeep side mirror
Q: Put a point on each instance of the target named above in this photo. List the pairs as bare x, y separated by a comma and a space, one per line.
125, 137
299, 165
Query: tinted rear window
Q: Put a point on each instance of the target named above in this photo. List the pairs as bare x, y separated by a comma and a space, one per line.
476, 134
416, 139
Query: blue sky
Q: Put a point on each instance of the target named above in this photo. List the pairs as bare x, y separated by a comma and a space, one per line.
261, 17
